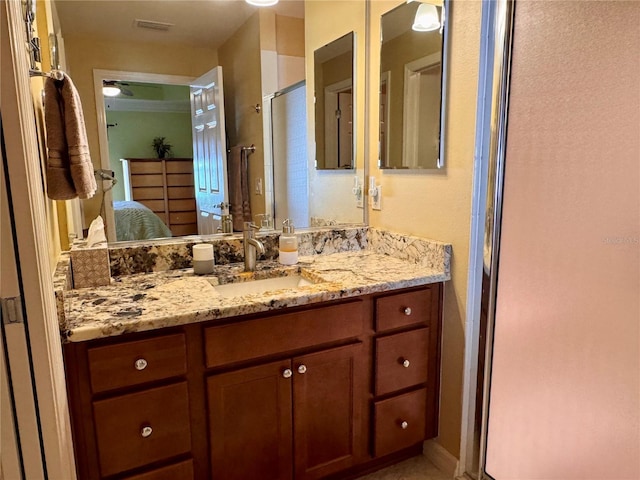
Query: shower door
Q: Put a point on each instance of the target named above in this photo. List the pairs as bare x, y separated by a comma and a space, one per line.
290, 163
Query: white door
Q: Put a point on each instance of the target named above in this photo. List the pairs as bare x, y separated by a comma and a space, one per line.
209, 149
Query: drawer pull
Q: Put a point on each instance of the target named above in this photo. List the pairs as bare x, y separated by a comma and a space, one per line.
405, 363
146, 431
407, 311
302, 369
141, 364
404, 425
287, 373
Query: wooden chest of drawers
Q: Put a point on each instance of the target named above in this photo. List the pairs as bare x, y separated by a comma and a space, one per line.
166, 187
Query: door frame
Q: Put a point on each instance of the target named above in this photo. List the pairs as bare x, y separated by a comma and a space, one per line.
22, 162
103, 139
492, 108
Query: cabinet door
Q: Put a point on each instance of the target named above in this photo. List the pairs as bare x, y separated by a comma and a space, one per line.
250, 423
329, 393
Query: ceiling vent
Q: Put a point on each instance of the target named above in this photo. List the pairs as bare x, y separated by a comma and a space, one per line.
152, 25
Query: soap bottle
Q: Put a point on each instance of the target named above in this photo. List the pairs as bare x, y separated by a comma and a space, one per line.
288, 251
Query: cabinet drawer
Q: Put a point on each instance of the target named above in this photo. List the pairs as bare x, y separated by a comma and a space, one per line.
133, 363
144, 168
119, 422
401, 360
403, 309
399, 422
282, 333
179, 471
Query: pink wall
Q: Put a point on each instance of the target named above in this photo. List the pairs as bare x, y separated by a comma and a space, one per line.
565, 400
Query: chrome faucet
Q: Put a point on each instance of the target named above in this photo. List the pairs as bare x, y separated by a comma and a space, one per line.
252, 246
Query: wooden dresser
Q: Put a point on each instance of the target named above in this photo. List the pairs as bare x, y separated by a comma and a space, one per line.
166, 187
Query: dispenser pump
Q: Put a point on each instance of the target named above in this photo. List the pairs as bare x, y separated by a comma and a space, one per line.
288, 244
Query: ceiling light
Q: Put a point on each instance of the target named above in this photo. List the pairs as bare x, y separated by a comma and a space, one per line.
110, 91
262, 3
426, 18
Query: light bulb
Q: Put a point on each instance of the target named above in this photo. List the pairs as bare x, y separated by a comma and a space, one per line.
426, 18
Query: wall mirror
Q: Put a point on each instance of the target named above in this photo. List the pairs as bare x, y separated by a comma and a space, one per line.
147, 49
412, 86
334, 112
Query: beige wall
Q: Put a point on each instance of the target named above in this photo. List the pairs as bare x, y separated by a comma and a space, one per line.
290, 36
290, 48
240, 58
565, 398
330, 190
437, 204
86, 53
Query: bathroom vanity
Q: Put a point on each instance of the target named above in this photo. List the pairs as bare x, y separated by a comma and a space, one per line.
329, 379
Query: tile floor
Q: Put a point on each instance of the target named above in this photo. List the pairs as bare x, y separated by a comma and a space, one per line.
416, 468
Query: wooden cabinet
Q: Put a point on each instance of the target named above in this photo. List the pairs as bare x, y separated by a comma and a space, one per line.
311, 405
250, 423
166, 187
407, 368
317, 392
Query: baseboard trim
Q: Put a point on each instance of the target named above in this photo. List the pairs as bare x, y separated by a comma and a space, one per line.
441, 458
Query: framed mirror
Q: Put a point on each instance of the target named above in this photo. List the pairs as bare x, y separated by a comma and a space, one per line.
263, 54
334, 111
413, 58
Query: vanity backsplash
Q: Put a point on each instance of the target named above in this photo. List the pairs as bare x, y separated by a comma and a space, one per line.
88, 264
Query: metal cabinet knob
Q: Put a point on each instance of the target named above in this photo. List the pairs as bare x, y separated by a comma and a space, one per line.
302, 369
404, 425
146, 431
141, 364
407, 311
287, 373
406, 363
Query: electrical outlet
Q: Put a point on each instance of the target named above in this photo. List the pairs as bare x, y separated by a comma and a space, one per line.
258, 188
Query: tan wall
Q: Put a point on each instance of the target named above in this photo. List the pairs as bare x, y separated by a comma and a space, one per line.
565, 399
438, 204
290, 49
290, 36
86, 53
330, 190
240, 58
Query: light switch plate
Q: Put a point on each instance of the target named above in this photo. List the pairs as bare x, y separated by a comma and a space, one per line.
258, 189
376, 202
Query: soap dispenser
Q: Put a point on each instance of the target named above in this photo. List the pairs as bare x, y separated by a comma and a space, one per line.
288, 251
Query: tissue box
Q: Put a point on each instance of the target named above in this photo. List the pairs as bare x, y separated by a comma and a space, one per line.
90, 266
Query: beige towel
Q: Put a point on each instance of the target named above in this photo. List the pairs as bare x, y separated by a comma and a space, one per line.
69, 166
238, 176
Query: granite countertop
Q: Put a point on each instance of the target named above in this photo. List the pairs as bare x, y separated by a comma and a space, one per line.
142, 302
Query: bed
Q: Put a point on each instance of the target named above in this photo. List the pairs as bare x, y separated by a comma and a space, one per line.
134, 221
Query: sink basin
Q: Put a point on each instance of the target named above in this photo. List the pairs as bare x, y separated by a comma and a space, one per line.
261, 286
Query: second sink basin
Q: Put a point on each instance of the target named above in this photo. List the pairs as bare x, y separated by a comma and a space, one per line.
261, 286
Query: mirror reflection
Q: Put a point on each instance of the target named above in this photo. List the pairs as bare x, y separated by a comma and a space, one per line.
411, 87
154, 52
334, 93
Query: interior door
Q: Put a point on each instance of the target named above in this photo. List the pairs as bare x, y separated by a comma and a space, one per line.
209, 149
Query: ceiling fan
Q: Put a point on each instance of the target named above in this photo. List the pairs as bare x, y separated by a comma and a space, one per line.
112, 88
